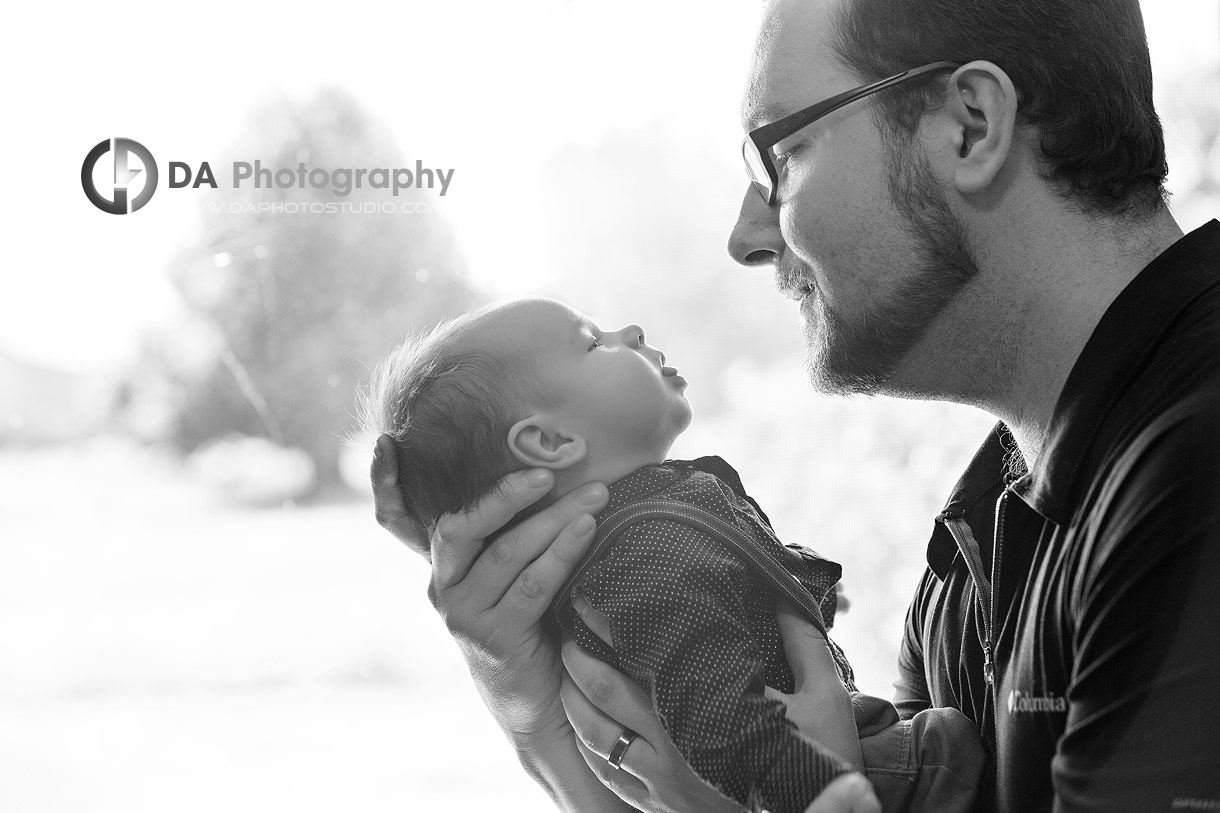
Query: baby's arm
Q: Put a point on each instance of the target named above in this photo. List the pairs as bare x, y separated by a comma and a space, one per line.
674, 601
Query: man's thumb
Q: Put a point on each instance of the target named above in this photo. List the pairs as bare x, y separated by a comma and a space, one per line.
850, 793
804, 645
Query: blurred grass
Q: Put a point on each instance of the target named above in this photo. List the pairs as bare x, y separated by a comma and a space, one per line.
164, 653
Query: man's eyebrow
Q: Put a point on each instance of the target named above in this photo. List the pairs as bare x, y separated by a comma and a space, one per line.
766, 114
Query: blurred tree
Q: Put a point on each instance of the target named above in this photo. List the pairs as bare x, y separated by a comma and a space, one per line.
1189, 106
290, 310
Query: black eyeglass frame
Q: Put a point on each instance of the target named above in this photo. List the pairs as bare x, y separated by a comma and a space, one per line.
760, 141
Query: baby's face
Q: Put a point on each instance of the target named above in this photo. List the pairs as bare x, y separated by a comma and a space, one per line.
612, 388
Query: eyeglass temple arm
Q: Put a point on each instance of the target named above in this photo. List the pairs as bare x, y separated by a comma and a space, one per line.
790, 124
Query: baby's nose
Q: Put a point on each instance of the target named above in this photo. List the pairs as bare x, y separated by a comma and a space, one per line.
633, 334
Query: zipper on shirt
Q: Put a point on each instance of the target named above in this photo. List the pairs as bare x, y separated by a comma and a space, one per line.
997, 554
972, 553
983, 586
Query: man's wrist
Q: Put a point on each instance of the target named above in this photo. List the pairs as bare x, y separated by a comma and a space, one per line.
537, 750
553, 761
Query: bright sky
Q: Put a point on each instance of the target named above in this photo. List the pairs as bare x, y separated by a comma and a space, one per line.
491, 89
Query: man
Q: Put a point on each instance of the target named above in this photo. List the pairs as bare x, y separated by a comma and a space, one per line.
988, 229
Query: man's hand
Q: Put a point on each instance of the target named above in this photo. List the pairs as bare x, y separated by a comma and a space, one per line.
600, 702
388, 505
820, 706
850, 793
492, 598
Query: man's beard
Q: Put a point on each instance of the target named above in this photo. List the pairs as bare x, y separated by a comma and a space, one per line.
858, 356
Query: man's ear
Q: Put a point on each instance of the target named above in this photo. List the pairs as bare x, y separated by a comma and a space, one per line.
536, 441
981, 106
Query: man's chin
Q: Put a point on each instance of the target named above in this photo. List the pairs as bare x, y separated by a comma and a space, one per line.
837, 372
834, 364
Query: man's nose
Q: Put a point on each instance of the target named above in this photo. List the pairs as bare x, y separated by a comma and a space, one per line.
756, 238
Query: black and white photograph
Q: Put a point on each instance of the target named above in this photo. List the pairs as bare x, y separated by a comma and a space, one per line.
684, 406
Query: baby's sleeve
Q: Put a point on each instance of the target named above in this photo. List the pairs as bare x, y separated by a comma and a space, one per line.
674, 600
933, 760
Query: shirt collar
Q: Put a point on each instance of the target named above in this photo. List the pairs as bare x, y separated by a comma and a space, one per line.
648, 481
982, 481
1086, 417
1124, 337
641, 483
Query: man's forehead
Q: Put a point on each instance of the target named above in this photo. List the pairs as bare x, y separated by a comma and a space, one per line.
794, 64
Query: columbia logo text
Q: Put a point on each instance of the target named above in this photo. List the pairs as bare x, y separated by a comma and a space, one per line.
1026, 703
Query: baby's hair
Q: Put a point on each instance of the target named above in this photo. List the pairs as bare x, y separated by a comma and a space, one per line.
448, 398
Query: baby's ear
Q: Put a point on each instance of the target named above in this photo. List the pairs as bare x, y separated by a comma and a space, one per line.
535, 441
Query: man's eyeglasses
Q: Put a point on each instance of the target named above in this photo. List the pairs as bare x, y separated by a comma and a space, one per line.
756, 149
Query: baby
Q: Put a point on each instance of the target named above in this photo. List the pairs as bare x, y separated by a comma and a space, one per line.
686, 569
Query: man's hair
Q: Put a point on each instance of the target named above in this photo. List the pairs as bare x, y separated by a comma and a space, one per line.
1081, 69
448, 398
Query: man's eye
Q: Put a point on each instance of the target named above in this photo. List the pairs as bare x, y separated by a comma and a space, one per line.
781, 158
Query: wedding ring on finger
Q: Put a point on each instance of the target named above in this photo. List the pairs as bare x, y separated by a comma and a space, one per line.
620, 748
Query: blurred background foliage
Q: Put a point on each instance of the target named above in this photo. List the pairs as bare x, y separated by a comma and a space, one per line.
286, 312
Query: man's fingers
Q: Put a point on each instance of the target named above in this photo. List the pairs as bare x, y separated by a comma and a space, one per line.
384, 472
458, 539
388, 505
496, 572
618, 780
850, 793
772, 693
804, 645
597, 733
616, 696
533, 591
595, 621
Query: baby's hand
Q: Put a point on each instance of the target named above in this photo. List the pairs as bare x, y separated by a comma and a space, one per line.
820, 707
841, 600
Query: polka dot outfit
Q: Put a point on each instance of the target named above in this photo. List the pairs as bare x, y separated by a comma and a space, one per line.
696, 627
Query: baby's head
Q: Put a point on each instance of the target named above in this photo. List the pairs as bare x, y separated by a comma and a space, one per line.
525, 383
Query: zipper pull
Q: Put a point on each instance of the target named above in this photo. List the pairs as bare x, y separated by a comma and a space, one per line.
988, 666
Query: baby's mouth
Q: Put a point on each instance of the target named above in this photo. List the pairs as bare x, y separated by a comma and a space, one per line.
668, 371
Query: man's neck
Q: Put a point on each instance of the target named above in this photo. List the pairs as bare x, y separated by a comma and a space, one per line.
1044, 285
1094, 267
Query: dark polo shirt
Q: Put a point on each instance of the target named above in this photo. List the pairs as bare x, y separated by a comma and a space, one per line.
1101, 605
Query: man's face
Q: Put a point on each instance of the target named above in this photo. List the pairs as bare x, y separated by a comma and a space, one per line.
861, 233
609, 387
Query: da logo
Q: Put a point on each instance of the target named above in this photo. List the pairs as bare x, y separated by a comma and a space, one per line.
114, 198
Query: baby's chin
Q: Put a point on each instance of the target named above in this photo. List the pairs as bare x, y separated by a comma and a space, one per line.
682, 423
